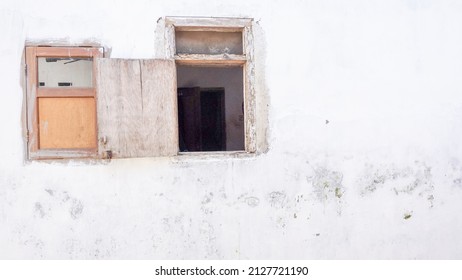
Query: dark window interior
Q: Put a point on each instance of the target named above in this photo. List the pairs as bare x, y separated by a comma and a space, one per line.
201, 119
210, 109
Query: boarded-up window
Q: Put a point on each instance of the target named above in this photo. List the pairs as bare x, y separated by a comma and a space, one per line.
82, 105
67, 122
61, 102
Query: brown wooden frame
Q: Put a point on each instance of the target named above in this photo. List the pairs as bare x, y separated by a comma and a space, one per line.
243, 25
33, 92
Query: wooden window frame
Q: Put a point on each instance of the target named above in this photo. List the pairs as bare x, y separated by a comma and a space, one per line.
33, 92
246, 60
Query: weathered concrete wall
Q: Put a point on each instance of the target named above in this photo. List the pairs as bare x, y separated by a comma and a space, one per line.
365, 135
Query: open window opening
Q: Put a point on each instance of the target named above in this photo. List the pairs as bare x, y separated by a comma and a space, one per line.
210, 108
214, 96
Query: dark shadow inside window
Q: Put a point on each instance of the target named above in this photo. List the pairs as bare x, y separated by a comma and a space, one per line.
210, 109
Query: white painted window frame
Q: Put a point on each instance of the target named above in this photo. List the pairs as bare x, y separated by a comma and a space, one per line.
243, 25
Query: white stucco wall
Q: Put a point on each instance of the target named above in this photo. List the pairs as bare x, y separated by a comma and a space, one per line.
365, 129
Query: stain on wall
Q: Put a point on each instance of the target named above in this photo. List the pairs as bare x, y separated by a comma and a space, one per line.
327, 183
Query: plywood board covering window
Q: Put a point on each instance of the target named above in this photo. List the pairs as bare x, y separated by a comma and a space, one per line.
67, 123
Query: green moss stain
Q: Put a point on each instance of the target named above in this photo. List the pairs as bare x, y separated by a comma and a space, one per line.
338, 192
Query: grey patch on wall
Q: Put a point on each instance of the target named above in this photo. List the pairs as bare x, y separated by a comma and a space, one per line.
174, 224
430, 199
277, 199
402, 180
61, 196
50, 192
73, 248
207, 206
103, 248
457, 182
176, 179
299, 197
207, 232
76, 209
376, 179
327, 184
55, 200
252, 201
206, 210
222, 193
65, 197
207, 198
281, 222
37, 244
40, 210
421, 178
455, 172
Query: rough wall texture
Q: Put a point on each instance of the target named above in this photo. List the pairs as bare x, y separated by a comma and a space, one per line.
365, 130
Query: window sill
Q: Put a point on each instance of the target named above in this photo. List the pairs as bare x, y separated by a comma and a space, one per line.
210, 59
53, 154
221, 155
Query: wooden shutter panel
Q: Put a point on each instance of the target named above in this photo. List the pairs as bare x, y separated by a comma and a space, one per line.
137, 111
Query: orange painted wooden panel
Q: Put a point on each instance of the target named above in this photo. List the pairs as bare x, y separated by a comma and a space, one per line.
67, 123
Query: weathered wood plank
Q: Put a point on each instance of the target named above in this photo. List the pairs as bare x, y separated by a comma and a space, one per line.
249, 92
44, 154
203, 23
210, 59
119, 106
68, 92
137, 108
160, 106
69, 52
31, 93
